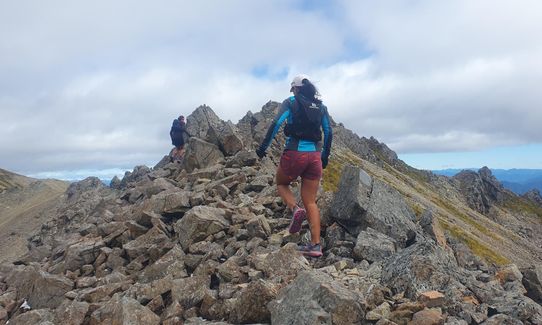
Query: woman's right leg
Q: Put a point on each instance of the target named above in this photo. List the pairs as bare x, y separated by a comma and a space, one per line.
283, 187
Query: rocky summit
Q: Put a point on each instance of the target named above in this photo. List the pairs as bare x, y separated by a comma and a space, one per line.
205, 241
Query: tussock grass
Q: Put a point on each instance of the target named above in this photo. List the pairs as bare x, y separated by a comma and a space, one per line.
332, 174
520, 205
465, 218
475, 246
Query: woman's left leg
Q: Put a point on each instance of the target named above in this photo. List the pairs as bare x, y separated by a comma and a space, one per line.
309, 190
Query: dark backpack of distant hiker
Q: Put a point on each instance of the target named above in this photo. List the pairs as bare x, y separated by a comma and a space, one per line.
178, 129
305, 121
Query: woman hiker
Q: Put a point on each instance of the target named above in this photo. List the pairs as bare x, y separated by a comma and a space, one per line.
305, 154
178, 136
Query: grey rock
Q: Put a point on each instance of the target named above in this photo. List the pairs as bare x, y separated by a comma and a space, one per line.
198, 223
201, 154
421, 267
171, 263
71, 312
351, 201
431, 227
532, 280
155, 238
75, 190
251, 306
41, 289
362, 202
315, 298
373, 246
259, 183
201, 121
189, 292
389, 214
533, 196
84, 252
516, 305
138, 174
481, 190
502, 319
285, 263
123, 311
205, 124
243, 158
34, 317
258, 227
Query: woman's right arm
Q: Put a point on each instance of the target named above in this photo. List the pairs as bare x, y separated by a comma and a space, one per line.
282, 115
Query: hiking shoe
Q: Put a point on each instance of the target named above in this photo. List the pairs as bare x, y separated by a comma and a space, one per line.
298, 216
311, 250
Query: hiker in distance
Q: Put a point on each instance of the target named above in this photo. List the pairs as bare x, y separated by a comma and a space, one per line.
305, 155
179, 136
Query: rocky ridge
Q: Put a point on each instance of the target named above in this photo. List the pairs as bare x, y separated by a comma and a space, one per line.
206, 242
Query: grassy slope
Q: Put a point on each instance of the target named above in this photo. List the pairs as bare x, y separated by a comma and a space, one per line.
22, 209
487, 239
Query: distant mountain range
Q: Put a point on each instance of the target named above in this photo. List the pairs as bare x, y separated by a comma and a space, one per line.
518, 181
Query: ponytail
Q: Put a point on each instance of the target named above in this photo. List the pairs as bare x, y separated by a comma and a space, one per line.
309, 90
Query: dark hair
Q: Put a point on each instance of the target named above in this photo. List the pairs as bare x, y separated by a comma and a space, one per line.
309, 90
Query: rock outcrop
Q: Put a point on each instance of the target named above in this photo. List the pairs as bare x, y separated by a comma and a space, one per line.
480, 189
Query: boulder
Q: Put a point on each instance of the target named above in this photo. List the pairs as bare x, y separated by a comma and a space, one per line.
418, 268
71, 312
41, 289
258, 227
100, 293
123, 311
532, 280
201, 154
431, 227
230, 271
481, 190
285, 263
243, 158
84, 252
502, 319
205, 124
201, 121
227, 137
315, 298
198, 223
75, 189
389, 214
152, 239
362, 202
251, 306
34, 317
173, 201
428, 317
189, 292
533, 196
373, 246
351, 201
171, 263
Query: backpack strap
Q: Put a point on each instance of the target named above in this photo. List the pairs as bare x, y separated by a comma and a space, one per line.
292, 103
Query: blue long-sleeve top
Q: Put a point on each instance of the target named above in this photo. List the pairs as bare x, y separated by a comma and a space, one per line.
285, 115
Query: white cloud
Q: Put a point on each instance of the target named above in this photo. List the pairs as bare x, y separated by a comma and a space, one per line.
96, 85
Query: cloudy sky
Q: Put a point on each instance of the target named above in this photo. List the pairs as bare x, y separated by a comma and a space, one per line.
91, 87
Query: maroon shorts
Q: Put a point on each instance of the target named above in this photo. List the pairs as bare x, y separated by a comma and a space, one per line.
307, 164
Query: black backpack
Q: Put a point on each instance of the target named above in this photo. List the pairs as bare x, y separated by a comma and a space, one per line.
306, 120
177, 130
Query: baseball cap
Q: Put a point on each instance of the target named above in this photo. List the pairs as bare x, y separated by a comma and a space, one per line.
298, 81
